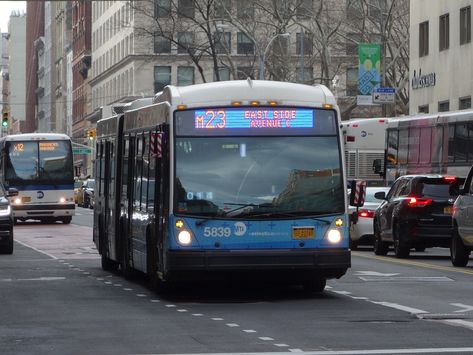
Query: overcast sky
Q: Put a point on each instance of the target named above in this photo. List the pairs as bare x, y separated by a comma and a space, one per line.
6, 8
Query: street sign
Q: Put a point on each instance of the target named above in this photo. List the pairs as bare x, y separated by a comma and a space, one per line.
384, 95
81, 151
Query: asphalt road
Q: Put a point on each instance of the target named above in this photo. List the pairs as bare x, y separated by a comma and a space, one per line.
55, 299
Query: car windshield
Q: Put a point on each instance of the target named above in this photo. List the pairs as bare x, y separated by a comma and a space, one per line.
272, 174
439, 190
90, 184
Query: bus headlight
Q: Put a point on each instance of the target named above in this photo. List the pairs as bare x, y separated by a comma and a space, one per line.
334, 236
5, 210
62, 200
184, 237
18, 200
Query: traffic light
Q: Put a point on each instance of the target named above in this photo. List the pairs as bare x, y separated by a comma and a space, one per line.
91, 133
5, 118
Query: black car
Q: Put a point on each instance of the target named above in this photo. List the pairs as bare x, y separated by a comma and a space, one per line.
6, 221
416, 213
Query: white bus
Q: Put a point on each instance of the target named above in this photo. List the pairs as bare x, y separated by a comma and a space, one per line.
239, 177
365, 143
39, 166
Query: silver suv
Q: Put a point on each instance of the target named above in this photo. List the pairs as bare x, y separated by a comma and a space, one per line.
462, 238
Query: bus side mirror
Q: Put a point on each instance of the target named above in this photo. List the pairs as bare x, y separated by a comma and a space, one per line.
377, 167
357, 193
12, 192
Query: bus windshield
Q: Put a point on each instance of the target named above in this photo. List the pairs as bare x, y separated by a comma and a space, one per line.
255, 176
48, 162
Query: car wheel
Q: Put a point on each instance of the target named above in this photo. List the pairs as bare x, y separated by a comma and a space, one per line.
459, 254
400, 250
420, 249
380, 247
7, 249
353, 245
66, 220
86, 203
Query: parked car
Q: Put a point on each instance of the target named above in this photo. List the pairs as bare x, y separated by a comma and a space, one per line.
416, 213
361, 230
85, 197
462, 219
6, 220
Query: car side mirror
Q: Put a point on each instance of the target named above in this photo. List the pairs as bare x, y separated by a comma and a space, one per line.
380, 195
12, 192
357, 193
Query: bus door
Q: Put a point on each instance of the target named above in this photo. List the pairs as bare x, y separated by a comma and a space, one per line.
108, 191
160, 150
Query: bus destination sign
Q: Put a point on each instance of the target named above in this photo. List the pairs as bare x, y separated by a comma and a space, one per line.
254, 118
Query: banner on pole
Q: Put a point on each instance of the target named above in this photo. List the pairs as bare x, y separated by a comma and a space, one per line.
369, 72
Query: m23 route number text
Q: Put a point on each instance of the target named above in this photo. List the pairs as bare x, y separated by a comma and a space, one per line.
217, 232
211, 119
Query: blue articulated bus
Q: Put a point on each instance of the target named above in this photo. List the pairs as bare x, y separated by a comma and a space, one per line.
242, 178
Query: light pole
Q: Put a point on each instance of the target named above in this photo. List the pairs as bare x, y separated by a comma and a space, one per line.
263, 57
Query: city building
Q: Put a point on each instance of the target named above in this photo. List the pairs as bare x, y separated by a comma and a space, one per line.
34, 30
4, 108
16, 70
440, 36
139, 47
81, 63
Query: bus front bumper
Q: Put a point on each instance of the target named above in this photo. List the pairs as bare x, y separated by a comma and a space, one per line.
328, 263
32, 211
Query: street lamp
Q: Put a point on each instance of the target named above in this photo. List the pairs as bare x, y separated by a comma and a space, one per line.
263, 57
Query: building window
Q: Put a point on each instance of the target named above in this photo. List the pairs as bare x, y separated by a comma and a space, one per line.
464, 103
444, 32
423, 109
444, 106
162, 77
424, 39
223, 42
245, 9
162, 43
352, 43
223, 9
185, 76
223, 73
244, 73
185, 8
304, 9
465, 25
376, 8
162, 8
352, 82
244, 44
185, 42
307, 43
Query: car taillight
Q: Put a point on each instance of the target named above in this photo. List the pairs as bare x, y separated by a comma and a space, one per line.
366, 213
449, 178
418, 202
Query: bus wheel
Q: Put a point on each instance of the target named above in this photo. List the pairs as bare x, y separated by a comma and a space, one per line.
315, 285
66, 220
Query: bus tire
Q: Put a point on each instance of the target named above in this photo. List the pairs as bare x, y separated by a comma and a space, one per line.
66, 220
459, 254
315, 285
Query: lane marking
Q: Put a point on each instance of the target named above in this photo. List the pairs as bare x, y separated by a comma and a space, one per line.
413, 263
265, 338
45, 278
36, 249
232, 325
459, 322
399, 307
353, 352
466, 308
249, 331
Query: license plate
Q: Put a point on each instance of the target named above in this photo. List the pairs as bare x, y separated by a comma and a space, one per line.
447, 210
303, 233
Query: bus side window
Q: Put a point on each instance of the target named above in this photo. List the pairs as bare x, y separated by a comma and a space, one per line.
126, 147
